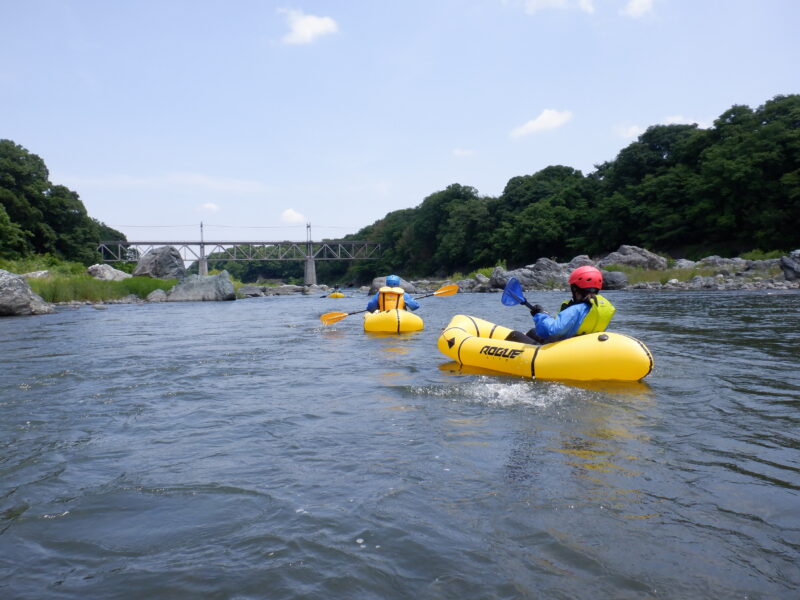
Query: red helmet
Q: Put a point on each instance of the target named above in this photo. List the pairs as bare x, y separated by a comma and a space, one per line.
587, 277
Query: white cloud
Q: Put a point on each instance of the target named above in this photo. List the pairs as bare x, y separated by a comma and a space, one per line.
681, 120
534, 6
548, 119
304, 29
209, 207
637, 8
461, 152
292, 217
629, 131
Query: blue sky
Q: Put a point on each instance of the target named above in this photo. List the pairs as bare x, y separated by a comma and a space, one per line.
256, 117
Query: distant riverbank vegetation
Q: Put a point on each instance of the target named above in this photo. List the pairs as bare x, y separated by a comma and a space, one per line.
679, 190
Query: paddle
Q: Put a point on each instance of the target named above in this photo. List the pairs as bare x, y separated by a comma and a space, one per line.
334, 317
513, 294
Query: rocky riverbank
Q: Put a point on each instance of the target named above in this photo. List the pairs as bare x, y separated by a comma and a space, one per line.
710, 273
629, 268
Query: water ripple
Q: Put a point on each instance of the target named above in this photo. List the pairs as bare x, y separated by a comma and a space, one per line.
234, 450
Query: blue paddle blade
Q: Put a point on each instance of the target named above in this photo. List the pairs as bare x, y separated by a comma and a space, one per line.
513, 294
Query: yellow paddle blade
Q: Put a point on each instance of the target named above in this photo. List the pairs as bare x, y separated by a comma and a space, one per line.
447, 290
332, 317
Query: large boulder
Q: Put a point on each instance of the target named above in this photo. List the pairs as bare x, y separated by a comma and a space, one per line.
161, 263
614, 280
479, 283
791, 265
250, 291
683, 263
379, 282
582, 260
500, 277
158, 295
726, 266
197, 288
17, 297
544, 274
283, 290
633, 256
107, 273
547, 274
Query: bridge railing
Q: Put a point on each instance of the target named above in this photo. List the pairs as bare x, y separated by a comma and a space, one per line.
123, 251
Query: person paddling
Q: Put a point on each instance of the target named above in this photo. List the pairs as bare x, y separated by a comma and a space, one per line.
586, 312
391, 296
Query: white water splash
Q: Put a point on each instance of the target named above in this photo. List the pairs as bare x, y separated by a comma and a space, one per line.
488, 391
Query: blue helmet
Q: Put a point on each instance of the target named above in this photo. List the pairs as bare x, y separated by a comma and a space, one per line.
393, 281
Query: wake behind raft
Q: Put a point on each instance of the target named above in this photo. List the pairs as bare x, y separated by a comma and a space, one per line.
605, 356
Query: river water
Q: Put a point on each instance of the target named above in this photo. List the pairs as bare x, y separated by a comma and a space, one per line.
243, 450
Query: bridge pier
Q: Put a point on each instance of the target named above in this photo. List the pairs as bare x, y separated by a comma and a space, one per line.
310, 275
202, 263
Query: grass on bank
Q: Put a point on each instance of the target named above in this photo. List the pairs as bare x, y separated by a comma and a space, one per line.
641, 275
68, 281
43, 262
61, 288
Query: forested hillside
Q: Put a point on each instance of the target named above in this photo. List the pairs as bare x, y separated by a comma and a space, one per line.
38, 217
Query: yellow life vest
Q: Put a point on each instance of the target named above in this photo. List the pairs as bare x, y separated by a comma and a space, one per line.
599, 316
390, 298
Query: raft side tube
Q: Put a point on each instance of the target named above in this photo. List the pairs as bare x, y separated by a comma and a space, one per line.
605, 356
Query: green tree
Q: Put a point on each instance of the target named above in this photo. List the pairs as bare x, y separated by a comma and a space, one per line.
539, 215
51, 219
12, 239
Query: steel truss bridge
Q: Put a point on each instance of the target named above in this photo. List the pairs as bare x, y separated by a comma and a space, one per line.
308, 251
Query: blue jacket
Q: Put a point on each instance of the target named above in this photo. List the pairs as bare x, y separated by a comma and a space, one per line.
372, 305
564, 325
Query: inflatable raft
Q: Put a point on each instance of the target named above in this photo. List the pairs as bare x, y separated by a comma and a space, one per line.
605, 356
336, 295
392, 321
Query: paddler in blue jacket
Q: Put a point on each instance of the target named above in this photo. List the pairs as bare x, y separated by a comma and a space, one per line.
391, 296
587, 312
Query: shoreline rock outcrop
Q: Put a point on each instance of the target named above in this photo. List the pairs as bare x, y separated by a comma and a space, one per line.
198, 288
633, 256
791, 266
17, 297
727, 273
107, 273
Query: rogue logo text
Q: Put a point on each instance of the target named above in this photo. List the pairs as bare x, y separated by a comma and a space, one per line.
501, 352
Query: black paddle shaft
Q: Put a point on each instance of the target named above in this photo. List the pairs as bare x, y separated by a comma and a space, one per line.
523, 301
